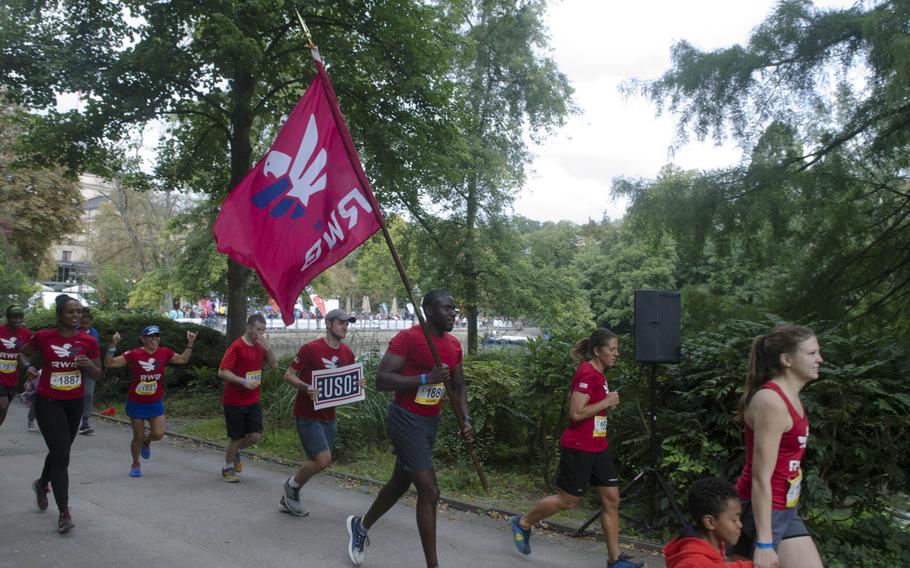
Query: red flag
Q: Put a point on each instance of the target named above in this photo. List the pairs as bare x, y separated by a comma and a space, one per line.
305, 206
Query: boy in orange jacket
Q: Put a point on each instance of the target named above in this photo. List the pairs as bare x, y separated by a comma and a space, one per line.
715, 507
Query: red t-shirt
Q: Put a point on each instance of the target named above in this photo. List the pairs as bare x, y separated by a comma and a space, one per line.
315, 356
244, 361
61, 378
11, 343
589, 435
147, 372
786, 480
412, 345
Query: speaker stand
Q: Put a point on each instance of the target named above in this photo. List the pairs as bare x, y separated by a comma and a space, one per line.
649, 476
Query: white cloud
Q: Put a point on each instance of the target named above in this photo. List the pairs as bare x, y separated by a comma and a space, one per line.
599, 45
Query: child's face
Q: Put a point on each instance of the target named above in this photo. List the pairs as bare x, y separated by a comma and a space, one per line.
727, 524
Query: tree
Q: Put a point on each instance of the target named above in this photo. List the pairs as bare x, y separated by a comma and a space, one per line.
508, 90
224, 74
837, 81
40, 203
15, 286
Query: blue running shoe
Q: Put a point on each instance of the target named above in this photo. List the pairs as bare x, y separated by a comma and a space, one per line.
521, 537
146, 451
135, 471
357, 539
624, 561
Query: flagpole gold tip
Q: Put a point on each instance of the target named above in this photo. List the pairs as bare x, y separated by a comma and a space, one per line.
306, 30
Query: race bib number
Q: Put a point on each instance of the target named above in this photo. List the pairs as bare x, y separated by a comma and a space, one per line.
7, 366
254, 376
66, 380
600, 426
794, 490
430, 395
147, 388
337, 386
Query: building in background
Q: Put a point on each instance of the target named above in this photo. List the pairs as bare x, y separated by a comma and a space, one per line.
71, 254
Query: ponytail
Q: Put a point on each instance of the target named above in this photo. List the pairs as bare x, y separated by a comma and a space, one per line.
584, 348
764, 358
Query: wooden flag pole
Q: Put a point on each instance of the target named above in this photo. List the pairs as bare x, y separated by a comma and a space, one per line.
355, 160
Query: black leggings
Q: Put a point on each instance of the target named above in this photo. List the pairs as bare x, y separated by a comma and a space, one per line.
59, 423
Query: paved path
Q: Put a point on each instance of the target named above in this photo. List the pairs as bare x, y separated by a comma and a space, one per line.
181, 514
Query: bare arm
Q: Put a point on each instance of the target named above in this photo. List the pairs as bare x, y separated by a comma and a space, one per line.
110, 361
769, 419
270, 358
579, 409
292, 378
24, 357
184, 357
389, 377
91, 367
229, 377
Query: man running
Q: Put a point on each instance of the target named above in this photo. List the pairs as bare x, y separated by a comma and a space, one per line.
89, 386
241, 371
408, 369
13, 337
316, 428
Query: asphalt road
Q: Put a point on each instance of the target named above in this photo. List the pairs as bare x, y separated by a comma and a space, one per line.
181, 514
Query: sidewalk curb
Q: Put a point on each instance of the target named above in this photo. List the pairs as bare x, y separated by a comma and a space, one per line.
548, 526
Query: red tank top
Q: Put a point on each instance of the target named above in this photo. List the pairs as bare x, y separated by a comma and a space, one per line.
786, 480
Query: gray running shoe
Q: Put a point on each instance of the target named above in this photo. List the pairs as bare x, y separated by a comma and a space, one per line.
292, 507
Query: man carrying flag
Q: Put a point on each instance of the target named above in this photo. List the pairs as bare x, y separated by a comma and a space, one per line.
413, 420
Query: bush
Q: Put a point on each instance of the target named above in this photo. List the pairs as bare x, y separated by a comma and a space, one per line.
196, 377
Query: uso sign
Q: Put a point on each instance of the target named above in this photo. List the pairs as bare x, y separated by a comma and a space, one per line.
338, 386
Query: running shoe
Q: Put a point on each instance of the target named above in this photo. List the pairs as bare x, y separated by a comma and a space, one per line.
238, 465
624, 561
86, 429
292, 507
521, 536
146, 451
228, 475
135, 470
65, 522
32, 427
357, 539
41, 494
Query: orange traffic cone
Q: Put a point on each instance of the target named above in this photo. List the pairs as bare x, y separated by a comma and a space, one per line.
109, 412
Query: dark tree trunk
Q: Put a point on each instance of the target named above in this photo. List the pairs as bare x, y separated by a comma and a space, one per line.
241, 123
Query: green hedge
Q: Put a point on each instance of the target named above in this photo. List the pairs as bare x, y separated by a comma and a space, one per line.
196, 377
859, 411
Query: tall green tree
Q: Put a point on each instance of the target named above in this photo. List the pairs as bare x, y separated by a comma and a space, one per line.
223, 74
41, 203
837, 81
508, 90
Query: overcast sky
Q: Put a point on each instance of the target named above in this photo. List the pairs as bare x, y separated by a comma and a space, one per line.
600, 45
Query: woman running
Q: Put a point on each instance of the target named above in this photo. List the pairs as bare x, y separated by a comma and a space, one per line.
584, 457
144, 401
68, 356
781, 363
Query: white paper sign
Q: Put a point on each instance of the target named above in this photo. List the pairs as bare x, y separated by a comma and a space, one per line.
338, 386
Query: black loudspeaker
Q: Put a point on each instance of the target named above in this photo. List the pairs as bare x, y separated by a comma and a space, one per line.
657, 326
